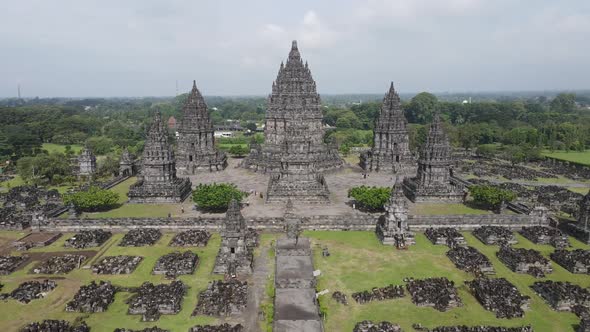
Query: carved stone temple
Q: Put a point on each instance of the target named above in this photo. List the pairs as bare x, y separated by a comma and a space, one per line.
392, 228
297, 178
127, 165
157, 182
86, 163
391, 143
294, 106
196, 143
235, 253
582, 226
433, 180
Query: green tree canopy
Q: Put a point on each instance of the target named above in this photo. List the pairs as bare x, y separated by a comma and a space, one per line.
564, 103
490, 197
93, 199
216, 197
422, 108
370, 198
238, 150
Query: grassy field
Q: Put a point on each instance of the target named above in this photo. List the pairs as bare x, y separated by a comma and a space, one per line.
579, 157
50, 147
15, 315
579, 190
359, 262
444, 209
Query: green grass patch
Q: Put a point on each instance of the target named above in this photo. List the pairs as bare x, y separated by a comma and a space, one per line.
575, 156
138, 211
15, 315
359, 262
580, 190
444, 209
61, 148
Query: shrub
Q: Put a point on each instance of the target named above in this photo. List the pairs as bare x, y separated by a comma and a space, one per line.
370, 198
490, 197
93, 199
216, 197
238, 150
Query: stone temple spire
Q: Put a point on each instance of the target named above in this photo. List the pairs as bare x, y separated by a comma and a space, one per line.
392, 228
196, 141
391, 144
234, 256
158, 182
293, 102
433, 180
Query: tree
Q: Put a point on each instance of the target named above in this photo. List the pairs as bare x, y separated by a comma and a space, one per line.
370, 198
490, 197
108, 166
238, 150
93, 199
486, 150
100, 145
53, 168
251, 126
422, 108
564, 103
216, 197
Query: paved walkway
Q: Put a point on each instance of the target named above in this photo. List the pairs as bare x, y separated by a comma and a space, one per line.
256, 289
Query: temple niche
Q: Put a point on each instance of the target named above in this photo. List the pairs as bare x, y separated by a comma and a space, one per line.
196, 143
86, 163
297, 178
391, 144
392, 228
157, 182
433, 181
294, 102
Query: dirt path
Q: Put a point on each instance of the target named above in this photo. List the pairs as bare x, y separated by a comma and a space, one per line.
256, 290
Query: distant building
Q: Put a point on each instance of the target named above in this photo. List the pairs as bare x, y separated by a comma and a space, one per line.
223, 134
86, 163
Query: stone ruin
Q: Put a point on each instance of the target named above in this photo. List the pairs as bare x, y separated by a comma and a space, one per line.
30, 290
217, 328
584, 325
391, 143
439, 293
235, 254
491, 235
392, 228
481, 328
575, 261
88, 239
147, 329
196, 149
157, 182
176, 263
35, 240
52, 325
562, 296
94, 297
369, 326
141, 237
433, 181
151, 300
27, 206
445, 235
127, 164
545, 235
470, 259
191, 238
86, 163
223, 298
379, 294
9, 264
59, 264
294, 102
122, 264
500, 296
340, 297
521, 260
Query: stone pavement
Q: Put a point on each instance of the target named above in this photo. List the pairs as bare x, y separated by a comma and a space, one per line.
256, 289
339, 181
296, 308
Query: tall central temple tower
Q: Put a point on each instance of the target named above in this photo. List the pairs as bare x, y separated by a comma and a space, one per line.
391, 143
294, 102
433, 181
196, 143
158, 182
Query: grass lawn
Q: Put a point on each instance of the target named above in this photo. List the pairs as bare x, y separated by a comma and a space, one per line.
435, 208
138, 211
15, 182
227, 146
51, 147
15, 315
576, 156
359, 262
559, 180
579, 190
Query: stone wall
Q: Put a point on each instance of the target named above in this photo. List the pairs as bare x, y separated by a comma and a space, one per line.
357, 222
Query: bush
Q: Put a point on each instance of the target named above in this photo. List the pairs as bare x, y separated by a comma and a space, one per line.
216, 197
370, 198
238, 150
490, 197
93, 199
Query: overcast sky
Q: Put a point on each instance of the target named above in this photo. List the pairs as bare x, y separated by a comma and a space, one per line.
142, 47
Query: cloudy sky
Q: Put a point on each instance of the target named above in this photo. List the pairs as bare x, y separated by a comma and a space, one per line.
142, 47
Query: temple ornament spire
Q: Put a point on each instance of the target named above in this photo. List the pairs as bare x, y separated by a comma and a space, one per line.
196, 141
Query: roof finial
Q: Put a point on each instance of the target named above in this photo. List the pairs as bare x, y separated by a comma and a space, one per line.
294, 45
195, 84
